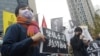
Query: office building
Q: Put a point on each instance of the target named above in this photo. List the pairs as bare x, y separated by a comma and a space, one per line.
82, 12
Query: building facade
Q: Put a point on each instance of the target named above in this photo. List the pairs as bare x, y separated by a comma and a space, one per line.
8, 5
82, 12
22, 1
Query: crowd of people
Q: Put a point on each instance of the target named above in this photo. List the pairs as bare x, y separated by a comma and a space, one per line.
23, 38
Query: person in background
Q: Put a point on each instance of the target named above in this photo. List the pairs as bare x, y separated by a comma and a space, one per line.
77, 43
22, 38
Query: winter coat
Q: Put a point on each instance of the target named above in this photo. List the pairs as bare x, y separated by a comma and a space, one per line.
17, 43
78, 46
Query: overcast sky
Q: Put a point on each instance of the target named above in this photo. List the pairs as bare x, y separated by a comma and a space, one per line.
96, 4
56, 8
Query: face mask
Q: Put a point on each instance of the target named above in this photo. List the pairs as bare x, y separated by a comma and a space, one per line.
26, 13
78, 34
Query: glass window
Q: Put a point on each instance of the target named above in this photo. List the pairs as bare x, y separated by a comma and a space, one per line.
80, 12
79, 0
78, 9
75, 0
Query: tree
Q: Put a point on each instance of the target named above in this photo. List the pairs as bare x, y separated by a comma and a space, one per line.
94, 32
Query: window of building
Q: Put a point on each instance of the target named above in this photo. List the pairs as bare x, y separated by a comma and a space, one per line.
78, 9
80, 17
80, 13
75, 0
79, 0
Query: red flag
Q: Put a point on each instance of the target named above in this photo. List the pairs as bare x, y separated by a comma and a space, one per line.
44, 25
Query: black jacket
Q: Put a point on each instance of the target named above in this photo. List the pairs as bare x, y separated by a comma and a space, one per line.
78, 46
17, 43
94, 47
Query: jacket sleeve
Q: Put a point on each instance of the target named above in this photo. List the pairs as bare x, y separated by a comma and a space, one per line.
11, 46
77, 44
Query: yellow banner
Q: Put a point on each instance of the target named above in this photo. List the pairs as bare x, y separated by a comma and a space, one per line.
8, 19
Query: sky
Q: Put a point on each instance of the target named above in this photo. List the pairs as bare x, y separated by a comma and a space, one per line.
56, 8
96, 3
52, 9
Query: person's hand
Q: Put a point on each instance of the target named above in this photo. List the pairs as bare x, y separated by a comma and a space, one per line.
86, 41
81, 36
38, 37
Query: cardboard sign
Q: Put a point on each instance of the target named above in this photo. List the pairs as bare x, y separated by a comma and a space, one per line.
55, 42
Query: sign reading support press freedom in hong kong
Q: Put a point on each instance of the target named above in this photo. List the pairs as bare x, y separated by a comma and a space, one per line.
55, 42
94, 48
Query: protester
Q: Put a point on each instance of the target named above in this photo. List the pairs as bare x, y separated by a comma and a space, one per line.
77, 43
22, 38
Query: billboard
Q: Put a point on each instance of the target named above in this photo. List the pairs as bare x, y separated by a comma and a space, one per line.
8, 19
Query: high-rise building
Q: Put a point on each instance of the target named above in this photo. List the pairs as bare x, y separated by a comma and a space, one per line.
82, 12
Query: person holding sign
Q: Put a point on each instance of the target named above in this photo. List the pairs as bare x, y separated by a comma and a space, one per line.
22, 38
78, 46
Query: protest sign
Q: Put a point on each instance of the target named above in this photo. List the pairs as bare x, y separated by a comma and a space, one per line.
94, 48
55, 42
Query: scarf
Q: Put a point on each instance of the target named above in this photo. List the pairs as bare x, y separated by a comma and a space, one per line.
32, 26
